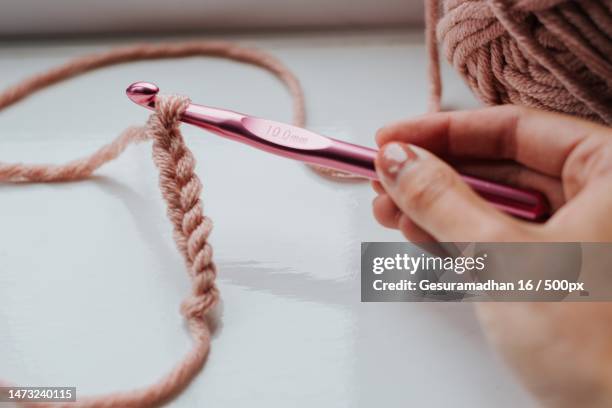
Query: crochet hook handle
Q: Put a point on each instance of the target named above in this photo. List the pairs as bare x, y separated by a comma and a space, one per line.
301, 144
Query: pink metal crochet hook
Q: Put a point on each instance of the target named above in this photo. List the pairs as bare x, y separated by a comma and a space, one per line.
300, 144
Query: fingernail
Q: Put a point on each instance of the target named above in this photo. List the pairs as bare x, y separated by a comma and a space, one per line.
393, 158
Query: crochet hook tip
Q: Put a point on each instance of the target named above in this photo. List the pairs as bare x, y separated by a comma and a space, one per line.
142, 93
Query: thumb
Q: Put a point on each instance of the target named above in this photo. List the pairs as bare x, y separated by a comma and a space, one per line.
435, 197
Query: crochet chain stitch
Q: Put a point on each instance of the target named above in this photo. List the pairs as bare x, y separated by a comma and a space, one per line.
180, 187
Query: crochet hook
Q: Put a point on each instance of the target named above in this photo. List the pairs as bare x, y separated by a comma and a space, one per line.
300, 144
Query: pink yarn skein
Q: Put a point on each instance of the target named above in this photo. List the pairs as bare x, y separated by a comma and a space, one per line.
547, 54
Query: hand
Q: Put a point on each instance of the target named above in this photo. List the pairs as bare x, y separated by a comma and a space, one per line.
561, 351
568, 159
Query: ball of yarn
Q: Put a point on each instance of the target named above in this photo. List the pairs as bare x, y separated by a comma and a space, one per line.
548, 54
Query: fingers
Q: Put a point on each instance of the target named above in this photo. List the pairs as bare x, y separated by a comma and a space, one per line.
434, 197
589, 161
569, 160
388, 215
385, 211
587, 216
587, 178
539, 140
378, 188
413, 232
513, 174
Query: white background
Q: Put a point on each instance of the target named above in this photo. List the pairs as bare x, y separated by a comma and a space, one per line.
90, 281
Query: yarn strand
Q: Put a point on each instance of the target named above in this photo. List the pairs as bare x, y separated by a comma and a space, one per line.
180, 187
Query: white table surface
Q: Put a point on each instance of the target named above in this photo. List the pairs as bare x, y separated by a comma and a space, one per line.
90, 281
